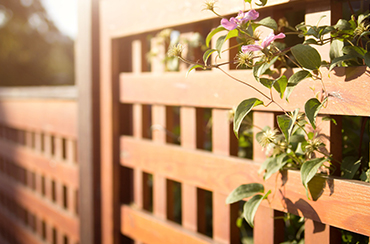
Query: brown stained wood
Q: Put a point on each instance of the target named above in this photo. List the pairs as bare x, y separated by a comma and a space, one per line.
189, 192
117, 14
159, 182
189, 207
268, 226
137, 120
71, 154
59, 194
58, 147
266, 230
221, 146
190, 167
52, 116
138, 188
214, 89
13, 227
109, 129
148, 229
37, 162
39, 92
42, 209
316, 232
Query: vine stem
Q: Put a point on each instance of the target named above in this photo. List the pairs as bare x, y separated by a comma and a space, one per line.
244, 83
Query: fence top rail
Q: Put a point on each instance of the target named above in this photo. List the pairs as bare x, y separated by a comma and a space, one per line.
39, 92
153, 16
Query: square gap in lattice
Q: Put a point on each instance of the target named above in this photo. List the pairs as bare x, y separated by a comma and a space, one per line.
174, 200
173, 125
205, 212
148, 192
204, 128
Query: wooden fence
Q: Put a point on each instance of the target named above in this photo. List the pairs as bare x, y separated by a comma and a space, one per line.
39, 172
142, 162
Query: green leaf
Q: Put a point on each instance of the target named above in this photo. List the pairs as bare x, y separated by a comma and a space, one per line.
306, 56
311, 41
263, 3
267, 82
219, 43
295, 79
262, 68
343, 24
193, 67
309, 170
312, 108
275, 164
248, 1
358, 52
367, 59
280, 85
242, 110
212, 33
339, 60
350, 166
336, 49
286, 123
244, 191
250, 207
207, 54
269, 22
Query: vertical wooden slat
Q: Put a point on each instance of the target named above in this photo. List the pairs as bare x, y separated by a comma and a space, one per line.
159, 182
316, 232
38, 141
109, 127
331, 136
71, 151
59, 194
88, 78
58, 147
221, 211
267, 228
189, 192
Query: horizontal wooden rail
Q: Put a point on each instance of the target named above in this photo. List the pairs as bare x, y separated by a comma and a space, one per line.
43, 92
348, 201
146, 228
34, 161
167, 14
216, 90
41, 207
13, 226
50, 116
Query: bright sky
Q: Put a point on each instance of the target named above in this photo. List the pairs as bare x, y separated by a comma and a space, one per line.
64, 15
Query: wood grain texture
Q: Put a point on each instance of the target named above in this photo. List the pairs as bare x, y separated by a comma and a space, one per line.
118, 13
346, 199
214, 89
189, 192
142, 226
33, 161
16, 229
51, 116
43, 209
316, 232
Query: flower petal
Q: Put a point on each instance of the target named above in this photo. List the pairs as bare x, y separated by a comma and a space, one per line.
229, 25
251, 48
270, 38
251, 15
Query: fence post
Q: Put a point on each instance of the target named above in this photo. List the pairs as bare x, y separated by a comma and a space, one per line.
87, 79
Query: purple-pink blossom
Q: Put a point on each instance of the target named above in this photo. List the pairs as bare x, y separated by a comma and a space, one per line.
265, 43
240, 19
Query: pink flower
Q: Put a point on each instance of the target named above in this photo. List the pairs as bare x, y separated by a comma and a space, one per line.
265, 43
240, 19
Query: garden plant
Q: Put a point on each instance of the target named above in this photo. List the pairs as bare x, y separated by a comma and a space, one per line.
296, 143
